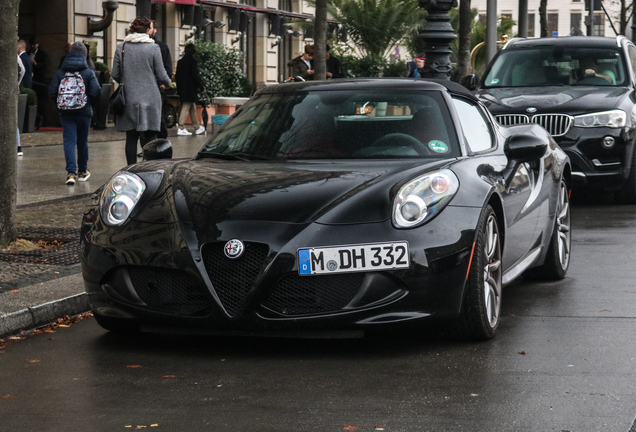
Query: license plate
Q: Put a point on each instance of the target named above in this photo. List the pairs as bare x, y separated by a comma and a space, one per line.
353, 258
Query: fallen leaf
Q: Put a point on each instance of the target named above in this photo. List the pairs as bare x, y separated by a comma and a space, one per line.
350, 428
63, 326
601, 310
8, 396
33, 361
522, 352
513, 315
380, 426
134, 366
16, 338
49, 331
154, 425
169, 376
14, 291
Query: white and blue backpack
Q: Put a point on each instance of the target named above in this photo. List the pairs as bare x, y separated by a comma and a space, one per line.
71, 94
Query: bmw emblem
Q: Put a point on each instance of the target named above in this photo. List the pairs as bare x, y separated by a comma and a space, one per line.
531, 110
233, 249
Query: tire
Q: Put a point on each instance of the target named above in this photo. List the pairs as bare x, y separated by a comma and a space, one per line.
557, 260
481, 306
171, 116
627, 195
115, 325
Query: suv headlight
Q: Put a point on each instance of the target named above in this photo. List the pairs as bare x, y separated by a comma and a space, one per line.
613, 119
422, 198
120, 196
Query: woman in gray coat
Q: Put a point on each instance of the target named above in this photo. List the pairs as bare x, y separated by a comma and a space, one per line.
141, 74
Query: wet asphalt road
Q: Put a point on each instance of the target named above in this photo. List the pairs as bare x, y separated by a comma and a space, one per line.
564, 360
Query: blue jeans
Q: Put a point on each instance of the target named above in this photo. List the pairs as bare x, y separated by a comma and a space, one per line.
75, 133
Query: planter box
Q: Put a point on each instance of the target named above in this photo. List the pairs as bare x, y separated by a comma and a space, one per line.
210, 109
29, 119
22, 104
227, 105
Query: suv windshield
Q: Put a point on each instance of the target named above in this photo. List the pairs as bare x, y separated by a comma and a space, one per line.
338, 125
557, 66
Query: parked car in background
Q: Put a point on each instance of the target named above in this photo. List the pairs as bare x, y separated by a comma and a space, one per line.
581, 89
345, 204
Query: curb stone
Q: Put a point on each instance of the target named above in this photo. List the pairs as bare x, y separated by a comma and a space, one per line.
33, 317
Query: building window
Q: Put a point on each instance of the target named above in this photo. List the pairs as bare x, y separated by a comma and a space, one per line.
482, 18
248, 2
599, 25
575, 21
285, 5
553, 24
507, 16
531, 25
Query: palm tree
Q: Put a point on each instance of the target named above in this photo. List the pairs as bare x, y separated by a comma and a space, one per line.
375, 27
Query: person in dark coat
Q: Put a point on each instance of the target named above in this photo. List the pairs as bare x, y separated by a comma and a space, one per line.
188, 85
416, 68
76, 123
334, 67
27, 80
301, 66
142, 73
39, 60
167, 64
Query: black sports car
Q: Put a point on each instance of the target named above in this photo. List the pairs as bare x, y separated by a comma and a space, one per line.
344, 205
581, 89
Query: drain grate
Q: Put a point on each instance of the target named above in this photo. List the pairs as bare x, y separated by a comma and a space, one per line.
61, 247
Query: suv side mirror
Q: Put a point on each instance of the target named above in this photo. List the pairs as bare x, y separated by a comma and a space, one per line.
158, 149
469, 81
525, 147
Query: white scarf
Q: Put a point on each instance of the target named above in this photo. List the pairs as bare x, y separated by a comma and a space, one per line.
139, 38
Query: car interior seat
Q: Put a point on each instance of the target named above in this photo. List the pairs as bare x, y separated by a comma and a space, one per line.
534, 75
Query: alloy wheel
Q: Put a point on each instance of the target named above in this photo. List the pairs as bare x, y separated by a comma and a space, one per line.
492, 271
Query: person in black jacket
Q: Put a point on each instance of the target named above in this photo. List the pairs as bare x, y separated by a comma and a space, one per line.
334, 67
27, 80
302, 66
188, 85
76, 122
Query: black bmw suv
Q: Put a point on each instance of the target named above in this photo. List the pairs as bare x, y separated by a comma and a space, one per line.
581, 89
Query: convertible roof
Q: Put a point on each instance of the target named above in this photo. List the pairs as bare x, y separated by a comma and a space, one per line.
349, 84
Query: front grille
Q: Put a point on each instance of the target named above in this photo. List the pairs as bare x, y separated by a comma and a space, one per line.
169, 290
233, 278
555, 124
301, 295
512, 119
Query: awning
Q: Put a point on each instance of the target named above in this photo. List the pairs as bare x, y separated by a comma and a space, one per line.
185, 2
255, 9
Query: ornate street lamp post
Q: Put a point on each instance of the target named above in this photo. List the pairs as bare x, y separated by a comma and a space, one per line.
438, 34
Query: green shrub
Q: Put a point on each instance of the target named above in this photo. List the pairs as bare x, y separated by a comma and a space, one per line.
32, 98
221, 71
104, 76
396, 69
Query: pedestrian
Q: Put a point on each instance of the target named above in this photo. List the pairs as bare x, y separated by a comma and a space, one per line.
76, 91
40, 63
21, 72
138, 65
27, 79
334, 67
167, 64
416, 68
188, 85
301, 66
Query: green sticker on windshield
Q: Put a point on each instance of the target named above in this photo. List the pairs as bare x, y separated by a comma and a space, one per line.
494, 81
438, 146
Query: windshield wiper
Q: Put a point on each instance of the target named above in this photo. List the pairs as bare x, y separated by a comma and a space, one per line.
234, 155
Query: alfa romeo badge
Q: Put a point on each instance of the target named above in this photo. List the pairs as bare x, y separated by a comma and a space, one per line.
233, 249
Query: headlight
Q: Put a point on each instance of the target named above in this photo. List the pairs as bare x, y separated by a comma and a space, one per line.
120, 196
423, 197
613, 119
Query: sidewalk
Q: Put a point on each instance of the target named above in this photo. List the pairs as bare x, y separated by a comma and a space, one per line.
40, 286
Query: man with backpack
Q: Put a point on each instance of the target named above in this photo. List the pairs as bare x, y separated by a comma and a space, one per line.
75, 90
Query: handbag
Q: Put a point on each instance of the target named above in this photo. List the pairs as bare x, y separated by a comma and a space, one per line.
118, 98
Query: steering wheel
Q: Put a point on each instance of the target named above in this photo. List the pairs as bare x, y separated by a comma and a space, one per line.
595, 80
397, 139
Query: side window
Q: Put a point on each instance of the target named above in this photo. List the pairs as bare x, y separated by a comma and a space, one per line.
474, 125
632, 56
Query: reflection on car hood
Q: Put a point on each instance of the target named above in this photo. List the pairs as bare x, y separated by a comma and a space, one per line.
563, 99
290, 191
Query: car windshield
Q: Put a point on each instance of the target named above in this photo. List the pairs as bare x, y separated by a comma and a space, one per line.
338, 125
557, 66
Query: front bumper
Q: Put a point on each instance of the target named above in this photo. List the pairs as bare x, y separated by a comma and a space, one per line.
175, 275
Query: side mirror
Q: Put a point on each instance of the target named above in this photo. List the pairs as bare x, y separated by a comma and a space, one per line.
158, 149
469, 81
525, 147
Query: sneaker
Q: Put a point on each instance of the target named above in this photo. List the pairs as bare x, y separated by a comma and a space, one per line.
83, 176
70, 179
200, 130
20, 151
183, 132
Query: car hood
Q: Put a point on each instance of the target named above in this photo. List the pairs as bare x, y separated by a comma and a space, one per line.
341, 192
571, 100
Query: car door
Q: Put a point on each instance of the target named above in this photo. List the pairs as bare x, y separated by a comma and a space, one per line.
521, 188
